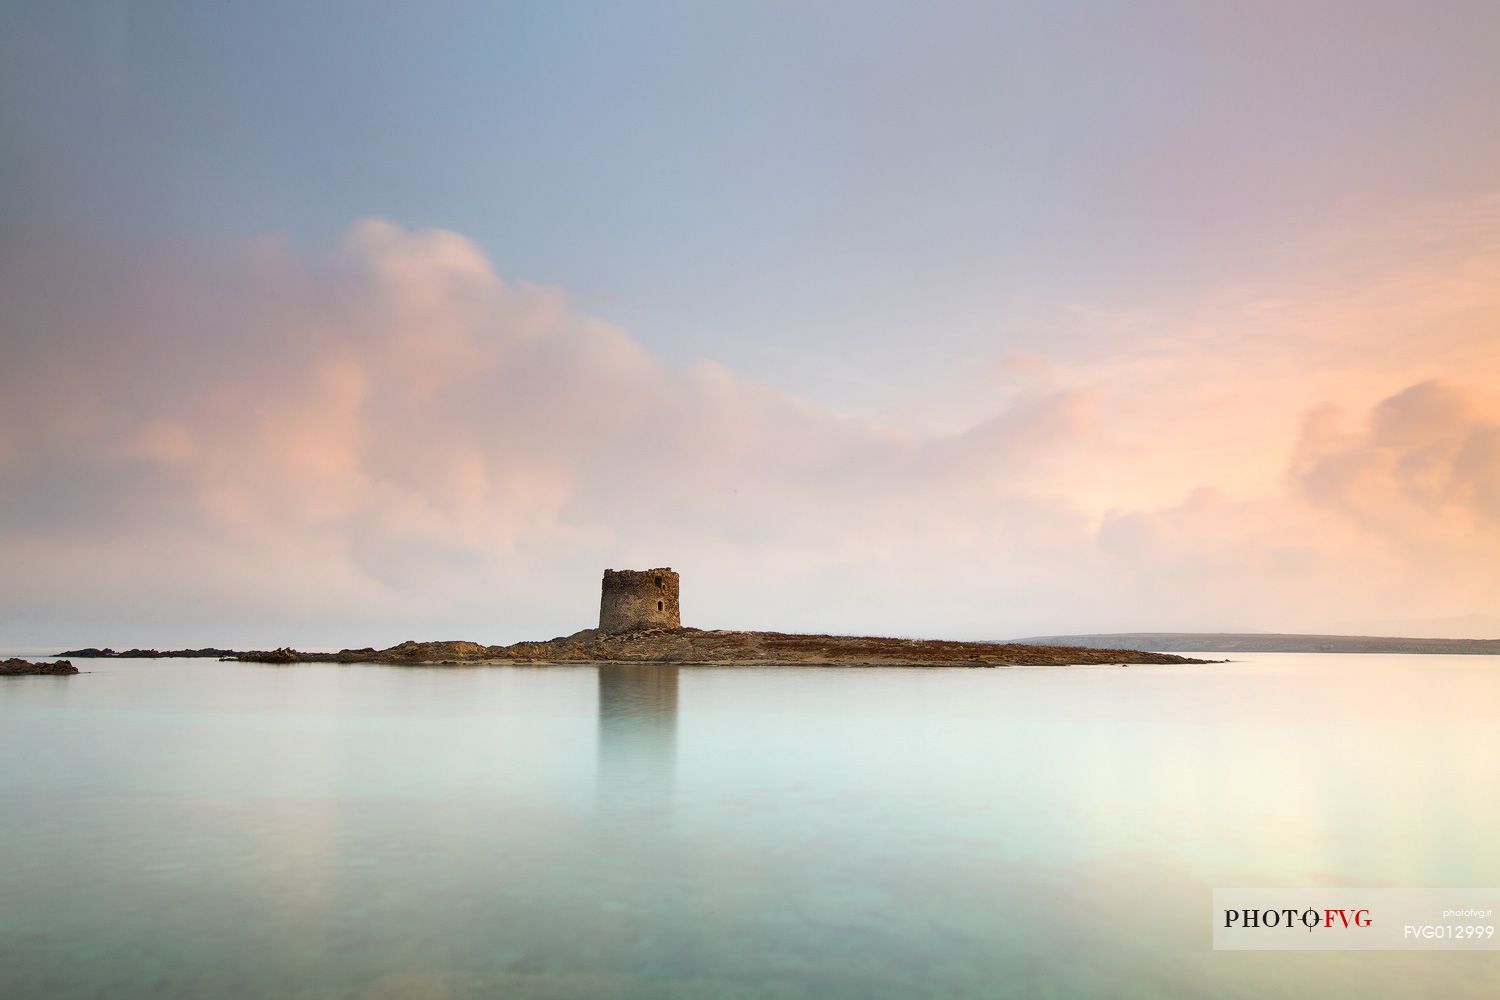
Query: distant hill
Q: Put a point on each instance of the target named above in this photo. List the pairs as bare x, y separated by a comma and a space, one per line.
1265, 642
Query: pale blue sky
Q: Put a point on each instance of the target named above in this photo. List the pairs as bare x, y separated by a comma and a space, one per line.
854, 201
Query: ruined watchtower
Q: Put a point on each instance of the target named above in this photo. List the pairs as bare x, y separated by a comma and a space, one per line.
634, 599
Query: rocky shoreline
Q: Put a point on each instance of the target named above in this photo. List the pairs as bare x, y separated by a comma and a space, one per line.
20, 668
692, 646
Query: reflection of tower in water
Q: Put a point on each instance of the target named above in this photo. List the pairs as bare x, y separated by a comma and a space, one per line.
637, 734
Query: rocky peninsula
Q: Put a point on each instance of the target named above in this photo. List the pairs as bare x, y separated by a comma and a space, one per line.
695, 646
640, 622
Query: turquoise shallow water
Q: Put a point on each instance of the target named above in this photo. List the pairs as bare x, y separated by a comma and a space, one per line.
186, 828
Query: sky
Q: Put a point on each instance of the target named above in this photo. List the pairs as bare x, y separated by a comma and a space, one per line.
342, 324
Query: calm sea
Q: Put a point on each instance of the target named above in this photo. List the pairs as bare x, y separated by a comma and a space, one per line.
189, 828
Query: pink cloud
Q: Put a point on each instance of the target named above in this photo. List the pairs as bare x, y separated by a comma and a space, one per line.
246, 444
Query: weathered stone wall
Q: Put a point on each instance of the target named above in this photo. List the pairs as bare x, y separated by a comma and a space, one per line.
634, 599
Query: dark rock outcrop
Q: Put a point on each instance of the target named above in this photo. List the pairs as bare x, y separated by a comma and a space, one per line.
16, 668
285, 654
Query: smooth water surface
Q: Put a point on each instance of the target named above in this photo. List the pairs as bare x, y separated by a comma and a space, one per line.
189, 828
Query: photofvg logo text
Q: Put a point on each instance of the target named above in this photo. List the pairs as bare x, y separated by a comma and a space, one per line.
1310, 918
1356, 919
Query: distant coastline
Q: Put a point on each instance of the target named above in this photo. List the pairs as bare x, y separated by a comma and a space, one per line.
1267, 642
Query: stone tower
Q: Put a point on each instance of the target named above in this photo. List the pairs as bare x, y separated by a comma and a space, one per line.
634, 599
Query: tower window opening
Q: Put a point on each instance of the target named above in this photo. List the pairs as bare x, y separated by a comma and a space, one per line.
658, 606
658, 581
